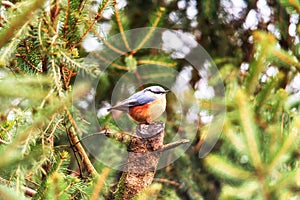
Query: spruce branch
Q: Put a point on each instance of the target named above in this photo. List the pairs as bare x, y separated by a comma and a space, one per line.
19, 21
27, 190
286, 146
163, 180
285, 57
118, 136
249, 129
121, 67
173, 145
77, 64
110, 46
156, 62
152, 29
118, 18
7, 4
99, 184
3, 141
91, 24
85, 159
76, 143
12, 45
66, 27
296, 5
40, 36
23, 57
57, 77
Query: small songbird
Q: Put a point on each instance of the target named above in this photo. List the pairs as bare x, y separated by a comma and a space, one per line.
144, 106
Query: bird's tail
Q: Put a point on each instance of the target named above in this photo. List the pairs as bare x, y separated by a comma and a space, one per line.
120, 107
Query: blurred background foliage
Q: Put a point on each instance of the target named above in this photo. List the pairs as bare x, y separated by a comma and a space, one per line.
255, 45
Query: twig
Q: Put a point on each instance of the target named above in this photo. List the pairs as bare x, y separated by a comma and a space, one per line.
8, 4
107, 44
40, 36
66, 19
85, 159
97, 17
109, 62
162, 180
5, 54
73, 62
173, 145
118, 18
3, 142
76, 142
147, 37
72, 121
27, 190
75, 155
154, 62
123, 137
28, 62
99, 185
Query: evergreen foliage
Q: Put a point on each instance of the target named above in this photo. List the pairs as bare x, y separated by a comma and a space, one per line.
257, 155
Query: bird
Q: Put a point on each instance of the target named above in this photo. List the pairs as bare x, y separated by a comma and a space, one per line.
144, 106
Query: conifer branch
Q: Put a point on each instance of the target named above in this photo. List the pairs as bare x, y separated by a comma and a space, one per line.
110, 46
91, 24
121, 67
19, 21
155, 62
40, 36
76, 143
78, 65
283, 150
57, 77
295, 5
7, 4
27, 190
65, 27
3, 142
8, 50
29, 63
286, 58
163, 180
85, 159
173, 145
100, 183
152, 29
118, 18
249, 129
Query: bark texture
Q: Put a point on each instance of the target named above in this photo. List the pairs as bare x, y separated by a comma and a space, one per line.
142, 160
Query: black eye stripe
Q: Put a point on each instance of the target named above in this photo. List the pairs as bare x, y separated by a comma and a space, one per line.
158, 92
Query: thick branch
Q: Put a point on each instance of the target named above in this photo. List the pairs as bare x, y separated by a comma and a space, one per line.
144, 152
142, 160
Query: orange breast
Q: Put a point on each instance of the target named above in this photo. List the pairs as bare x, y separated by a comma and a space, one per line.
140, 113
148, 112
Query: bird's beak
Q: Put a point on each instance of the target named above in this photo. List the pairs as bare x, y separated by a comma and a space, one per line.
167, 91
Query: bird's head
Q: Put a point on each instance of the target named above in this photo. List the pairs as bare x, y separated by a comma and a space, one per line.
156, 92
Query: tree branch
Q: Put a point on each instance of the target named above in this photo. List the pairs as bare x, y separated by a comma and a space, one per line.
85, 159
27, 190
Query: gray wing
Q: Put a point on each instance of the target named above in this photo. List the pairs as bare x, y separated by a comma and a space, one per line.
137, 99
